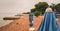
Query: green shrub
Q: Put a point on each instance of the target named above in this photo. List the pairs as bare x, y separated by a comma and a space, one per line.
37, 13
25, 12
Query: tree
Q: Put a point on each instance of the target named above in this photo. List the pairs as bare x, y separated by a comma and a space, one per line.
33, 10
36, 13
58, 8
40, 7
53, 6
25, 12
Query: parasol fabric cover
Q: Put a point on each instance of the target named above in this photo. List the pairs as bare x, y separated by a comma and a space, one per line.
55, 11
31, 19
49, 22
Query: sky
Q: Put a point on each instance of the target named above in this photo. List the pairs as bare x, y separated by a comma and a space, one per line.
19, 6
13, 7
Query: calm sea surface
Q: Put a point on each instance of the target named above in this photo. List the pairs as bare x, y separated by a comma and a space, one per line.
4, 22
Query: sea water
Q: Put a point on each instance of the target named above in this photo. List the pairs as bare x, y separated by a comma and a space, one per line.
5, 22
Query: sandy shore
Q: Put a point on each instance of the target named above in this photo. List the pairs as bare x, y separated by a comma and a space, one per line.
22, 24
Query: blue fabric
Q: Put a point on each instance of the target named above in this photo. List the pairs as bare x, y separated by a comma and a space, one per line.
31, 19
49, 22
31, 24
55, 11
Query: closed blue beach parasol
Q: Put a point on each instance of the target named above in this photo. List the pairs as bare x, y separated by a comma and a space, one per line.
55, 11
31, 19
49, 22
